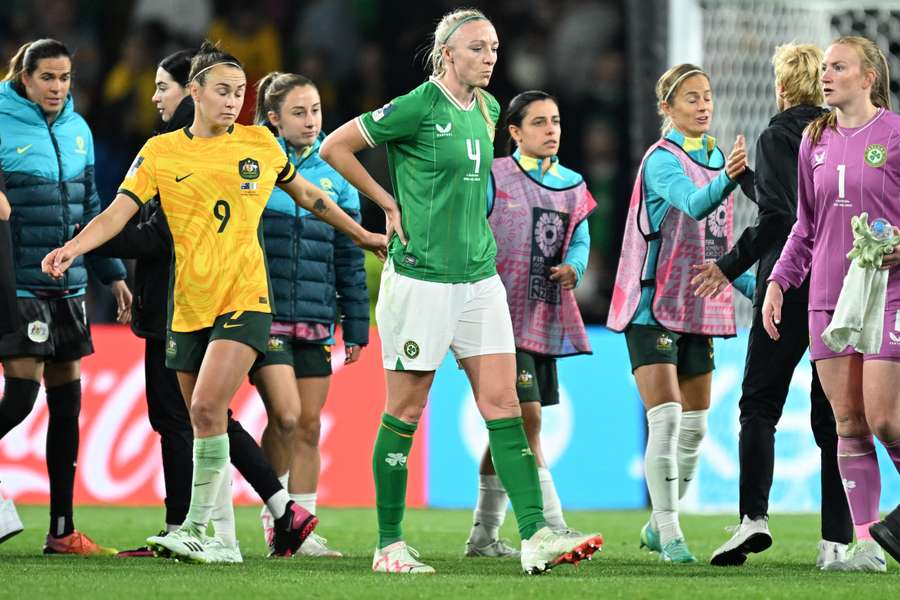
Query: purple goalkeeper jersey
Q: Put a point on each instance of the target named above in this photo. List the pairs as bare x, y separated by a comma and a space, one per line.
848, 172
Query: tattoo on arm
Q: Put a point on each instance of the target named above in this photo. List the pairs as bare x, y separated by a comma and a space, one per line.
320, 207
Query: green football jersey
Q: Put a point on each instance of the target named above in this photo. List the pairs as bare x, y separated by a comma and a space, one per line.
440, 155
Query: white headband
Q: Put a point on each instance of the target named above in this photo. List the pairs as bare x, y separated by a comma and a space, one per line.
201, 71
679, 80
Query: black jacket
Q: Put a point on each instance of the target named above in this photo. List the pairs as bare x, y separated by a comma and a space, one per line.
148, 239
775, 188
8, 312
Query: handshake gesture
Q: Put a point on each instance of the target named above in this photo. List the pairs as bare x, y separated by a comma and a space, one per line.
736, 163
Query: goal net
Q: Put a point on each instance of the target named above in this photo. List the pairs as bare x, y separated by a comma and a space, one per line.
736, 46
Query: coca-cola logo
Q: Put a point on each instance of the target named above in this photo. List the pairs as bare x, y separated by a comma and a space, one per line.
119, 459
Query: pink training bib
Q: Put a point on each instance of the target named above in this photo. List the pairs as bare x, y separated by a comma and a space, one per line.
684, 242
533, 225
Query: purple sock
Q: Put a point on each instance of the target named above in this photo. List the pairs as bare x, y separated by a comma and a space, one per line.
893, 450
858, 465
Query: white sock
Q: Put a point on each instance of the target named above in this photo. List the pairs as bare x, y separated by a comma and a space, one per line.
283, 480
553, 514
690, 435
307, 501
490, 510
661, 468
171, 527
210, 462
222, 515
278, 503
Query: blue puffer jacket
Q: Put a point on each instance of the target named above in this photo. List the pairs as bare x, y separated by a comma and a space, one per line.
49, 173
317, 274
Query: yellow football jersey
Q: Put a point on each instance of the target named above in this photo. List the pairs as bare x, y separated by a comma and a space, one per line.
213, 192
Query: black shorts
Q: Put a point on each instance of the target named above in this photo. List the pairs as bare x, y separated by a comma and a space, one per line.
51, 329
307, 359
536, 378
692, 354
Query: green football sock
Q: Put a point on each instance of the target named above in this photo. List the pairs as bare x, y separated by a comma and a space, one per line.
210, 460
389, 459
517, 469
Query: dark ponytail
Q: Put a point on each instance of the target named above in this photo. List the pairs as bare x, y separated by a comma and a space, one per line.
518, 107
209, 55
178, 65
271, 91
26, 58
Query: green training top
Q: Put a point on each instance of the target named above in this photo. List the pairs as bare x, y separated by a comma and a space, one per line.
440, 155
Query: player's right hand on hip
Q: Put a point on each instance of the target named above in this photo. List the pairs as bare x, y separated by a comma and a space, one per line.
393, 224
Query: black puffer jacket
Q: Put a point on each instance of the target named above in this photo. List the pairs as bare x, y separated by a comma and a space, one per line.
148, 239
775, 188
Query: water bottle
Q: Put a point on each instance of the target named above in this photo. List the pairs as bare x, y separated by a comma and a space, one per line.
881, 229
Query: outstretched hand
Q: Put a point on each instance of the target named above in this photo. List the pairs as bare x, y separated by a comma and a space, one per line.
709, 280
736, 163
57, 261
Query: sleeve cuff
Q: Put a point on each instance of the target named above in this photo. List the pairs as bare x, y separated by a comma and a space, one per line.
364, 132
727, 266
780, 280
287, 173
131, 195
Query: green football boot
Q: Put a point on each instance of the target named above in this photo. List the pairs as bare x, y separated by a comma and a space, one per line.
676, 552
650, 538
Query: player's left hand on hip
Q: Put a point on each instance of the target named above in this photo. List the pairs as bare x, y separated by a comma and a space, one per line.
565, 275
709, 280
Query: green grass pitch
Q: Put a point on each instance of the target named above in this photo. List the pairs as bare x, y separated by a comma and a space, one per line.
621, 571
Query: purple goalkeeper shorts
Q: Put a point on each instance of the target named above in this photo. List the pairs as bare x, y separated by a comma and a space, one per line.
890, 342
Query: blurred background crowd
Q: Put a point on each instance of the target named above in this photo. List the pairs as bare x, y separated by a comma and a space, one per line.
361, 53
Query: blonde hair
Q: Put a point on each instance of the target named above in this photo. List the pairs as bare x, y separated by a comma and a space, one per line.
797, 71
446, 28
667, 88
872, 59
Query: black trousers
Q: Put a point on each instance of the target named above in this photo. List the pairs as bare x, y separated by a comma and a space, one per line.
170, 419
767, 375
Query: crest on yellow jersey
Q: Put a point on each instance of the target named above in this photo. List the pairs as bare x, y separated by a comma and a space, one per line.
248, 168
